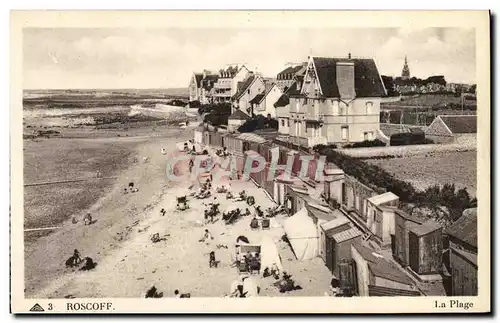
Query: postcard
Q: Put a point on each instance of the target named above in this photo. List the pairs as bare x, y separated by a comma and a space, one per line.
250, 162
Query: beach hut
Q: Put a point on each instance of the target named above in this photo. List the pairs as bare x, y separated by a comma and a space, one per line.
302, 235
426, 248
403, 223
198, 133
376, 276
381, 217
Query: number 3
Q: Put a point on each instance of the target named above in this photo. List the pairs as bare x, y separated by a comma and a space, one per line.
50, 306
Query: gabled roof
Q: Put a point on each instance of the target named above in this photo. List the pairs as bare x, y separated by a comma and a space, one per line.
460, 123
465, 228
197, 78
239, 115
283, 101
261, 96
243, 86
258, 98
293, 91
367, 81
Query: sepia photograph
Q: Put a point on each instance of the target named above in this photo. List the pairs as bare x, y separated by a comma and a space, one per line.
277, 156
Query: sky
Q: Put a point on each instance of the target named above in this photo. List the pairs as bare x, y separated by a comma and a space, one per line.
165, 58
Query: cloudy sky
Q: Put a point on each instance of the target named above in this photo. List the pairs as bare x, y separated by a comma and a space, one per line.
161, 58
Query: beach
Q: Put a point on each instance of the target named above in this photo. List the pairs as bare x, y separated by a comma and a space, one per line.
128, 263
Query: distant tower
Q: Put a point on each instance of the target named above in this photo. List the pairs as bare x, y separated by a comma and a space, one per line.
405, 74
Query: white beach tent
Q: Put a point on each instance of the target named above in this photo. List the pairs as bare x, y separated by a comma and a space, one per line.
302, 234
250, 287
269, 254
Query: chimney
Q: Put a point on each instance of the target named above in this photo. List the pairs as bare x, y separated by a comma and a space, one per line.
345, 79
349, 56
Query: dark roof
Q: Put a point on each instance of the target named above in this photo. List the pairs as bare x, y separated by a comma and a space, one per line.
289, 72
242, 87
258, 98
239, 115
229, 72
367, 81
426, 228
293, 91
413, 218
380, 267
461, 124
283, 101
465, 228
318, 213
198, 77
208, 81
467, 255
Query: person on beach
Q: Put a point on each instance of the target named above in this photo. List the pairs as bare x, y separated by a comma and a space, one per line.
76, 258
177, 294
87, 219
212, 262
206, 236
191, 165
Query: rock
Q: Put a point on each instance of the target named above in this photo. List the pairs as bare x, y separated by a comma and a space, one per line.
140, 278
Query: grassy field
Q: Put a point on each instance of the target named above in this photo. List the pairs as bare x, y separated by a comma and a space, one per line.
48, 205
439, 168
427, 100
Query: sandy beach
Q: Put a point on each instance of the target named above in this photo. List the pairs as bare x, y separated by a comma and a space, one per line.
128, 263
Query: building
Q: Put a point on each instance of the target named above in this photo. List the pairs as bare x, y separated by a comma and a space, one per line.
336, 238
337, 101
463, 254
195, 86
286, 77
263, 103
226, 85
207, 87
282, 111
236, 119
376, 276
453, 128
246, 91
380, 217
405, 73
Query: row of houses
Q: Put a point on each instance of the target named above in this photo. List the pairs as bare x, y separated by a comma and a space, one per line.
324, 100
366, 240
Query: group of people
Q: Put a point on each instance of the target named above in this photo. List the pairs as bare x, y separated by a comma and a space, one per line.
131, 188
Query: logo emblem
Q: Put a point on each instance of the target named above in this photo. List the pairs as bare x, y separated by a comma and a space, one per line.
37, 308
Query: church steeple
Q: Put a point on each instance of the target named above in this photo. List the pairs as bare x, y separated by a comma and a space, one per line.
405, 74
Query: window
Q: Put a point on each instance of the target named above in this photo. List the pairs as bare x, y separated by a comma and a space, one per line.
342, 108
282, 122
345, 133
248, 91
288, 122
335, 107
366, 137
369, 107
